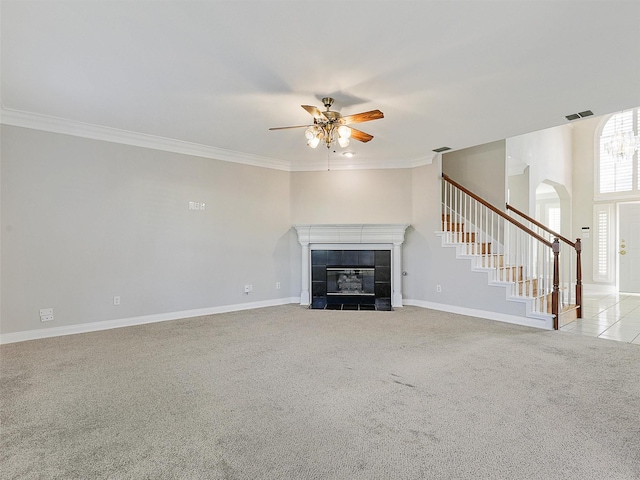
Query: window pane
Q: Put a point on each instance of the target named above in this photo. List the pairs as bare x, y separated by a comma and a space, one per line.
602, 239
616, 164
553, 218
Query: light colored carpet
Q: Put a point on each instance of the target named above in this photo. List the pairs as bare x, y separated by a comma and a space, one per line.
291, 393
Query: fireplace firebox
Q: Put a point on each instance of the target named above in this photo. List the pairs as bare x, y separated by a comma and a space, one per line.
351, 279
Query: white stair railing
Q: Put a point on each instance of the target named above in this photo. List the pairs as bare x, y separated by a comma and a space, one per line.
570, 268
516, 255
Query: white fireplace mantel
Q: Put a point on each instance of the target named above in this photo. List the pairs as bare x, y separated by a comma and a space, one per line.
339, 236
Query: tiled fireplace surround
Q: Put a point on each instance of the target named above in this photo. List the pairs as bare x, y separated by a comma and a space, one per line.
352, 237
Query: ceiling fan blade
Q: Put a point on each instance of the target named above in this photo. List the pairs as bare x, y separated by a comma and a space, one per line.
314, 111
360, 136
295, 126
362, 117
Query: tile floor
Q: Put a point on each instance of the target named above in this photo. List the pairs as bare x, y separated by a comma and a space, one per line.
613, 316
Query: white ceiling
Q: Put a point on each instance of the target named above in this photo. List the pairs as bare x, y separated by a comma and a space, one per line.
220, 73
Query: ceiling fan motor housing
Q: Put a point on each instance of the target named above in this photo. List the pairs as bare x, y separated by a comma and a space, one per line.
327, 101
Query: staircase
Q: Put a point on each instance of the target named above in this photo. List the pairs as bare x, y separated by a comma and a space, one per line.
524, 258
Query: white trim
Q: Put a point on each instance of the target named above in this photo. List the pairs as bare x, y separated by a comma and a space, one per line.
351, 246
96, 132
352, 233
128, 322
546, 323
63, 126
362, 164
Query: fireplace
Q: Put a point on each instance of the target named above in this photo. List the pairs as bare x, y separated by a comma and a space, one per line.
351, 279
351, 267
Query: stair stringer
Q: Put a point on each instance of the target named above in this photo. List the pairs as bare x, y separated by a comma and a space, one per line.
536, 319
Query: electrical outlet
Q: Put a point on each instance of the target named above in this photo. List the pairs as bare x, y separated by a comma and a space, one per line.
439, 288
277, 285
46, 314
116, 300
248, 289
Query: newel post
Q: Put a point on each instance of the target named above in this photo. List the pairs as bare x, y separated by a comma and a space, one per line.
555, 297
579, 278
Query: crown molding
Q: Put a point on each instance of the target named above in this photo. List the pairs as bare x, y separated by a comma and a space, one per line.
339, 163
47, 123
17, 118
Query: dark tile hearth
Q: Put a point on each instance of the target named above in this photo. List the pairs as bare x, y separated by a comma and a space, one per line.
381, 305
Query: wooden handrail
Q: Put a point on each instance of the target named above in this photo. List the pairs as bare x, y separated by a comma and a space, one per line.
499, 212
542, 226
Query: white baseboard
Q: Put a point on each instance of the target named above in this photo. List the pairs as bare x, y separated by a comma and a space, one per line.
128, 322
546, 324
163, 317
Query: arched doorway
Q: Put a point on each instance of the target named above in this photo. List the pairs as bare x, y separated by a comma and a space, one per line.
553, 207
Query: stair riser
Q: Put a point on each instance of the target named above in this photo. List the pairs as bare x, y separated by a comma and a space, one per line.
468, 237
478, 248
510, 274
492, 261
452, 227
528, 288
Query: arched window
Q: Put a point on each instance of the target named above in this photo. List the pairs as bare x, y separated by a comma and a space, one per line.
618, 155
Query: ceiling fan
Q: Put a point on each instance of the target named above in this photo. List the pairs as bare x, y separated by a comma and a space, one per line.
330, 126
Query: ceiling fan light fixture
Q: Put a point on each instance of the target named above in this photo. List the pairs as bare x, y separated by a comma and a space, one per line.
344, 131
314, 142
343, 141
310, 133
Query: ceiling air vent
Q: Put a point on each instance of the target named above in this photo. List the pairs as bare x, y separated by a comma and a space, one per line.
576, 116
441, 149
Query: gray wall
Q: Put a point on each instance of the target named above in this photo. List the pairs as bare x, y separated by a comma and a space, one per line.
422, 245
518, 195
85, 220
351, 196
481, 169
429, 264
